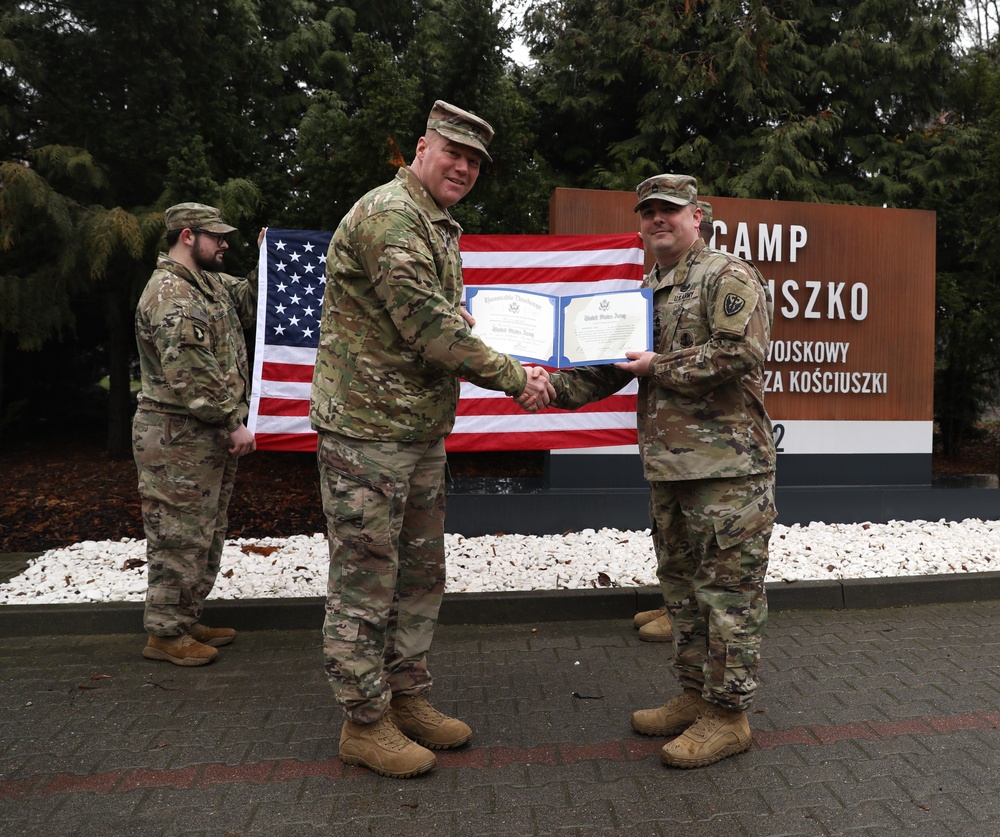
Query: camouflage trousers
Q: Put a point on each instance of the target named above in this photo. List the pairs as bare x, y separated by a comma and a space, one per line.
711, 542
384, 504
186, 477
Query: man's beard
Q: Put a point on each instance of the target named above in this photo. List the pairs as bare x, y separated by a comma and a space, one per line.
214, 262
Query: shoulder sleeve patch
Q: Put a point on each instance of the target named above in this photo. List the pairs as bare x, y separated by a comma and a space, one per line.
734, 304
196, 333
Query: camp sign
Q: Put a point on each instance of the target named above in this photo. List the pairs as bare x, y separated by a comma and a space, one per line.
850, 372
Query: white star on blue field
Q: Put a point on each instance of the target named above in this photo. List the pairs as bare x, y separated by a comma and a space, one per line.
296, 281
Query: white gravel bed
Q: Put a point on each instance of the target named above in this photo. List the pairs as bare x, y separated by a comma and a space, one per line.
114, 571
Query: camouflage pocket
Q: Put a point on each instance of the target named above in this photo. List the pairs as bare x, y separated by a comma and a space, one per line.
163, 595
752, 519
346, 502
361, 511
175, 428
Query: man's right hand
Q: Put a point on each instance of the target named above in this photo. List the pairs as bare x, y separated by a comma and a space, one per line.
243, 441
538, 392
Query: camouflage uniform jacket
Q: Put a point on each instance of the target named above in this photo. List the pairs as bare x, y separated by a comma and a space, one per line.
701, 409
192, 352
392, 342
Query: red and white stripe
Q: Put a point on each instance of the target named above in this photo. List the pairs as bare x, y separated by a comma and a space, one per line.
487, 420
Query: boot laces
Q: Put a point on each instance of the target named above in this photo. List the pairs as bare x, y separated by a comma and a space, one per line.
388, 736
678, 702
708, 722
421, 709
711, 718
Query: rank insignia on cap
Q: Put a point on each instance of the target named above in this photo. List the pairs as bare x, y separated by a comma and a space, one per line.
677, 189
461, 126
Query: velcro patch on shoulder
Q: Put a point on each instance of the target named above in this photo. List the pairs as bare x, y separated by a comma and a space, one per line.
398, 237
735, 304
197, 333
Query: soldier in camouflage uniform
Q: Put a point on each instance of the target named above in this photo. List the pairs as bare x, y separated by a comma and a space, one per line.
706, 228
708, 454
654, 625
189, 430
393, 345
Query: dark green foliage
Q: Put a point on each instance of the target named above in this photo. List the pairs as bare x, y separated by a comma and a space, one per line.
792, 100
116, 111
354, 136
958, 176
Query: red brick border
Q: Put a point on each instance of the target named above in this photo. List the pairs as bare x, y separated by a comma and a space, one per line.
476, 758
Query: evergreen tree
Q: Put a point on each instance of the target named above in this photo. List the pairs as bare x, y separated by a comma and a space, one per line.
38, 262
354, 136
794, 100
120, 110
958, 177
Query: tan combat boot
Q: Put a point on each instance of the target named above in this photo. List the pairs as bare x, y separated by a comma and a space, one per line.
212, 636
644, 617
658, 630
675, 716
183, 650
383, 748
417, 719
717, 734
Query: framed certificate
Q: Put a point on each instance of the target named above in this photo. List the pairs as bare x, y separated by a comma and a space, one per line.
563, 331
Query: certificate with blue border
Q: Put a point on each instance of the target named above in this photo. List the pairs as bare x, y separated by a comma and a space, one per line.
563, 331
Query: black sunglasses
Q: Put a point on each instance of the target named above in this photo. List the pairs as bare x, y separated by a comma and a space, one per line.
220, 238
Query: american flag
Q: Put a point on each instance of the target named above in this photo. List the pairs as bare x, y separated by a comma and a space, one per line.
291, 287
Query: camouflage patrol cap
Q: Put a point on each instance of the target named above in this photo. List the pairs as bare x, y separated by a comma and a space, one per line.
678, 189
461, 126
706, 212
196, 216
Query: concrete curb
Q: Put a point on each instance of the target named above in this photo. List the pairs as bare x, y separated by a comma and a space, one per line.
519, 607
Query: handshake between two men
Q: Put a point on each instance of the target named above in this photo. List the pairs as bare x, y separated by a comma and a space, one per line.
539, 392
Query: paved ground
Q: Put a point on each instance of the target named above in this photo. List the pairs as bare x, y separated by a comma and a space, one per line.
868, 722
